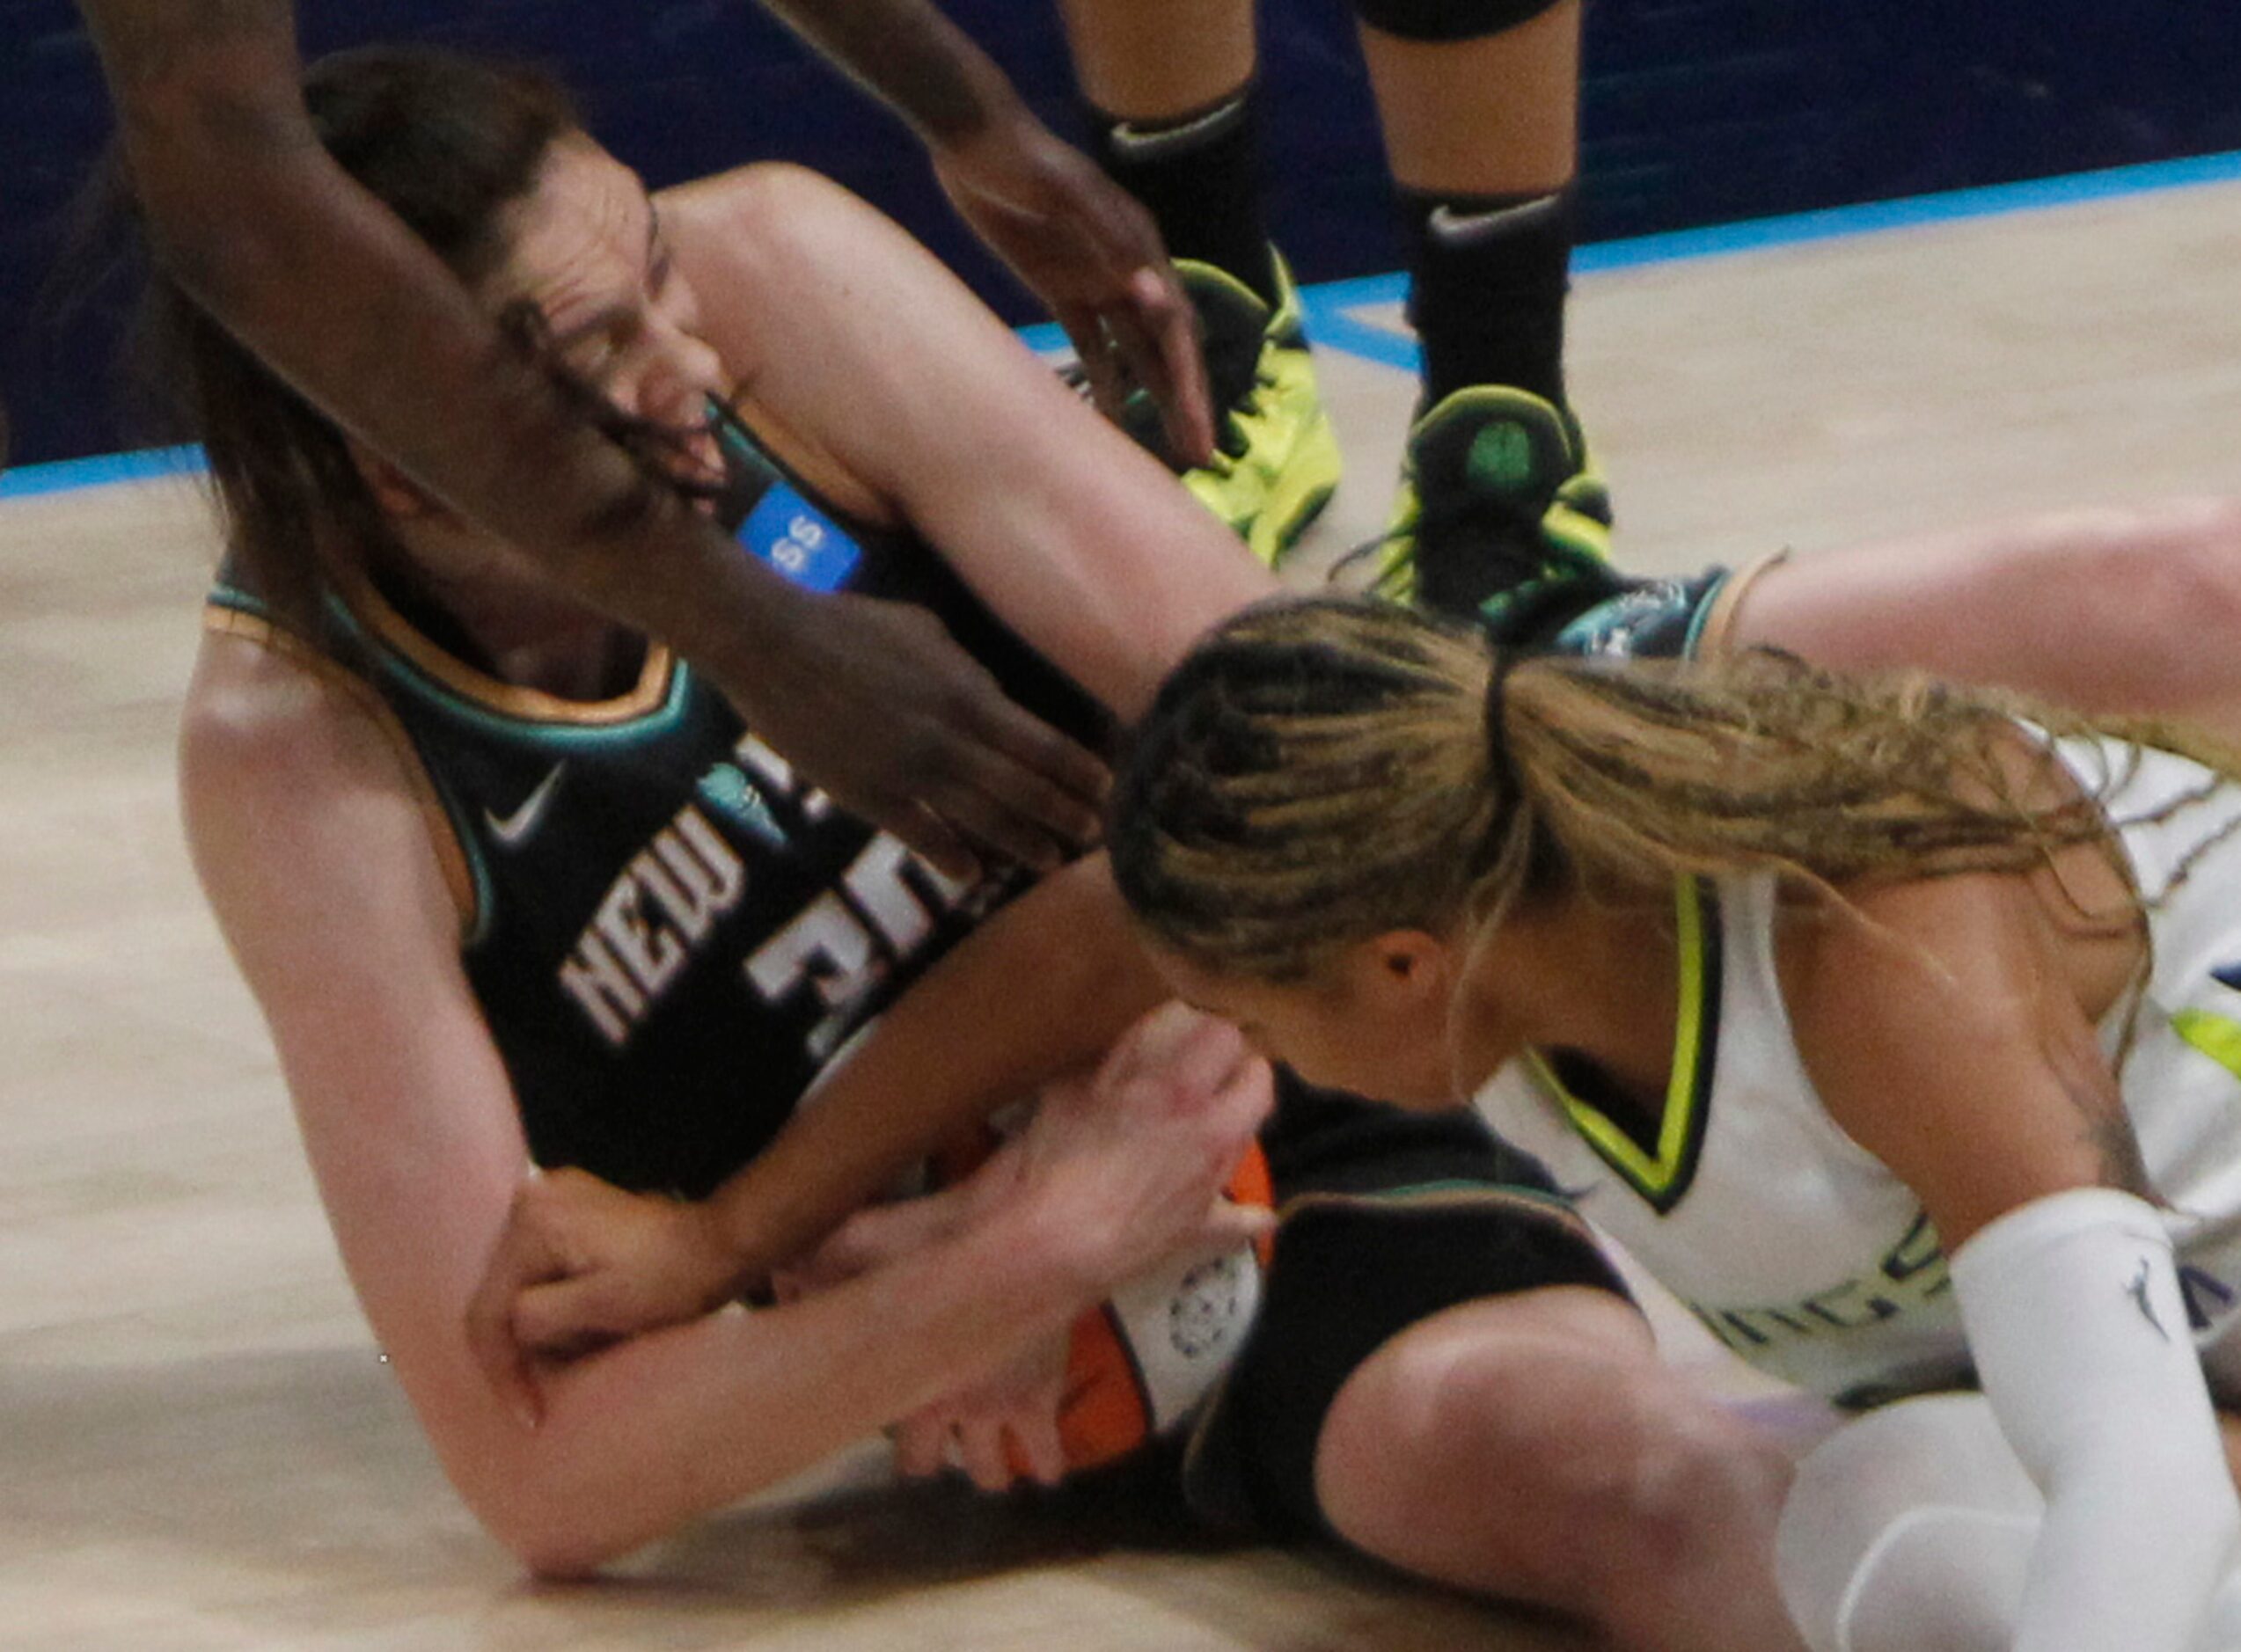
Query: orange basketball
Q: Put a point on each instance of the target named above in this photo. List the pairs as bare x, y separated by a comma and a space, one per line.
1139, 1363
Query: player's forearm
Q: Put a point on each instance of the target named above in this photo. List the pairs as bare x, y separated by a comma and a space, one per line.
2086, 1595
666, 1427
2079, 1329
1043, 987
353, 311
912, 59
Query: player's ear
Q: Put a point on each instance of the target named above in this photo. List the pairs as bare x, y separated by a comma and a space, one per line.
1402, 970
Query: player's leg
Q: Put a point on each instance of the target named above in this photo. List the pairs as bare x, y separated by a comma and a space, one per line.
1479, 103
1170, 94
1447, 1375
1480, 118
2129, 609
1533, 1447
1172, 106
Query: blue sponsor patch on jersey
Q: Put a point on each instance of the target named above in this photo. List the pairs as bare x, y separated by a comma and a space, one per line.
799, 540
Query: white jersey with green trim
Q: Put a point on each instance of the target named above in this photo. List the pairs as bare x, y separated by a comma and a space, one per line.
1799, 1249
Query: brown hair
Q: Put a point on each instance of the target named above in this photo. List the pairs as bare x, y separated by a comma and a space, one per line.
446, 142
1319, 771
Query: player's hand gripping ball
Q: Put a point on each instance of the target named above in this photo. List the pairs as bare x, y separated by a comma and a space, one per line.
1139, 1365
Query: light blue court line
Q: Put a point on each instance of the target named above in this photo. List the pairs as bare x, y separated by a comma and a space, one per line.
1327, 323
1328, 303
1331, 324
1991, 200
65, 475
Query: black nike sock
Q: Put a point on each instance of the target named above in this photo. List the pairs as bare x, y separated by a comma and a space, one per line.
1486, 281
1200, 176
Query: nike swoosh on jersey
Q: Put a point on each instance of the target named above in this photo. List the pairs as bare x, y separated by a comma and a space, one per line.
513, 828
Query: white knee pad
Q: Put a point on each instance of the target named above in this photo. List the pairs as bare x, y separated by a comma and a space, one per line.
1909, 1530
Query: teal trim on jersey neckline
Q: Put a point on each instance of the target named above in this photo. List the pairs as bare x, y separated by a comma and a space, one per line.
566, 736
1694, 635
658, 718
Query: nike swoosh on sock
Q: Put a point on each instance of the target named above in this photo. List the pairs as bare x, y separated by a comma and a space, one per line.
1458, 228
1135, 142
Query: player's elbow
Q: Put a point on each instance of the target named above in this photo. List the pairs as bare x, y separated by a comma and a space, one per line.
558, 1552
556, 1537
552, 1498
208, 105
568, 1501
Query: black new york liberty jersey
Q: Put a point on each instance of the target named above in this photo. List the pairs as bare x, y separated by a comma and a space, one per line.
669, 932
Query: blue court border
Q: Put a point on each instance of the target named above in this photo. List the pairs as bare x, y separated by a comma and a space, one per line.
1329, 305
63, 476
1330, 325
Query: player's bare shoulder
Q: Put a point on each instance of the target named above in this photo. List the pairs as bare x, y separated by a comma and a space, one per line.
268, 728
754, 227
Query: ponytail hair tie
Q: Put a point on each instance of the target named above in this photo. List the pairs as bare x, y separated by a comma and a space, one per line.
1505, 789
1499, 763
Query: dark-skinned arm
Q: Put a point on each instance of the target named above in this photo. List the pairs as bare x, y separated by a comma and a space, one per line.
329, 288
1072, 236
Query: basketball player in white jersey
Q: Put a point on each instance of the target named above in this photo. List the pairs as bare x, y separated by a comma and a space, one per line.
1897, 1032
513, 885
461, 982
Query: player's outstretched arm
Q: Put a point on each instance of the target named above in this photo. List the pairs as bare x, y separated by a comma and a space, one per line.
1042, 989
1944, 1037
1078, 240
1976, 604
324, 284
310, 837
1080, 541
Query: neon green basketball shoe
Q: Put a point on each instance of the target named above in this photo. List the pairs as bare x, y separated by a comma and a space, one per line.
1498, 498
1276, 460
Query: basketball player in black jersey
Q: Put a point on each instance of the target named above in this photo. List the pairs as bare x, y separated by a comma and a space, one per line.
483, 857
324, 285
510, 883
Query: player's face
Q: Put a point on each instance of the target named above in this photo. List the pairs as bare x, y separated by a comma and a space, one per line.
586, 248
1376, 1022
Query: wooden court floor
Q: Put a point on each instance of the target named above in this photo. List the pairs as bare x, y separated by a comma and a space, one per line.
199, 1448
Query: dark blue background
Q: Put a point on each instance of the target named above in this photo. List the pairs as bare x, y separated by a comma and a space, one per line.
1696, 111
